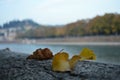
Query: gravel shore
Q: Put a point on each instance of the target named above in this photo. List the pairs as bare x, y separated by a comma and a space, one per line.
14, 66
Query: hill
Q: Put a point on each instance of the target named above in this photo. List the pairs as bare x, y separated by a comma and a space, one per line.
108, 24
18, 23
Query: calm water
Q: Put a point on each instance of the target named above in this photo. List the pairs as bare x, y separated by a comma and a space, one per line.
104, 53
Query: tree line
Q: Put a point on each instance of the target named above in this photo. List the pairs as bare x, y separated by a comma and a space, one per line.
108, 24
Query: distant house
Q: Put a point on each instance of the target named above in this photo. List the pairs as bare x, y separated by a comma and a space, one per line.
8, 34
3, 34
11, 33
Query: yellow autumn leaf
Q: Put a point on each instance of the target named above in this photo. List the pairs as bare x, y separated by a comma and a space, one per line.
74, 60
87, 54
60, 62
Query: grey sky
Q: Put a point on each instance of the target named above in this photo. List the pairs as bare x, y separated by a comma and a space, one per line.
55, 11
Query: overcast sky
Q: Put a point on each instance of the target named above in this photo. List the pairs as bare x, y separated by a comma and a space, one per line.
55, 11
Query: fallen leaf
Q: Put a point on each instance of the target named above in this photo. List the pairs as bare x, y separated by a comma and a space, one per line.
41, 54
87, 54
74, 60
60, 62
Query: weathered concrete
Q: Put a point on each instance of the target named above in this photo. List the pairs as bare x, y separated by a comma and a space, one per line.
97, 70
14, 66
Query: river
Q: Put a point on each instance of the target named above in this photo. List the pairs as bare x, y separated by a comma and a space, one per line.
104, 53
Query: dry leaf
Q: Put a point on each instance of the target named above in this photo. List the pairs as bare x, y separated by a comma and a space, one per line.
60, 62
41, 54
87, 54
74, 60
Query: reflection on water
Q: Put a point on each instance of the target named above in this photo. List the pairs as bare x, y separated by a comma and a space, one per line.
105, 53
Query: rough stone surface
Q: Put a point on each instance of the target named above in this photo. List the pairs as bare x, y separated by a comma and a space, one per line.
14, 66
97, 70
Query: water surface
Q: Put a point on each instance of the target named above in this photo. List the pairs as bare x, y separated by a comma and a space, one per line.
104, 53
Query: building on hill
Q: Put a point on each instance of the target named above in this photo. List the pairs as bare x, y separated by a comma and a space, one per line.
8, 34
3, 34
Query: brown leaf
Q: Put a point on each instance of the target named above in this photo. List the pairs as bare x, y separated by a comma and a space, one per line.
41, 54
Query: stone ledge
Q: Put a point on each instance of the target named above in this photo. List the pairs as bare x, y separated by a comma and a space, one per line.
14, 66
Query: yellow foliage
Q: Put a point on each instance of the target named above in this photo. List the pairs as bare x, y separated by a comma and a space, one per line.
74, 60
60, 62
87, 54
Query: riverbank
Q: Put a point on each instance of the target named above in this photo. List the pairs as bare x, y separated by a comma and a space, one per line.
82, 39
86, 39
14, 66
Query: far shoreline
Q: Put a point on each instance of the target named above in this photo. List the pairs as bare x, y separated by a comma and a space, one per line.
66, 43
87, 40
80, 43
